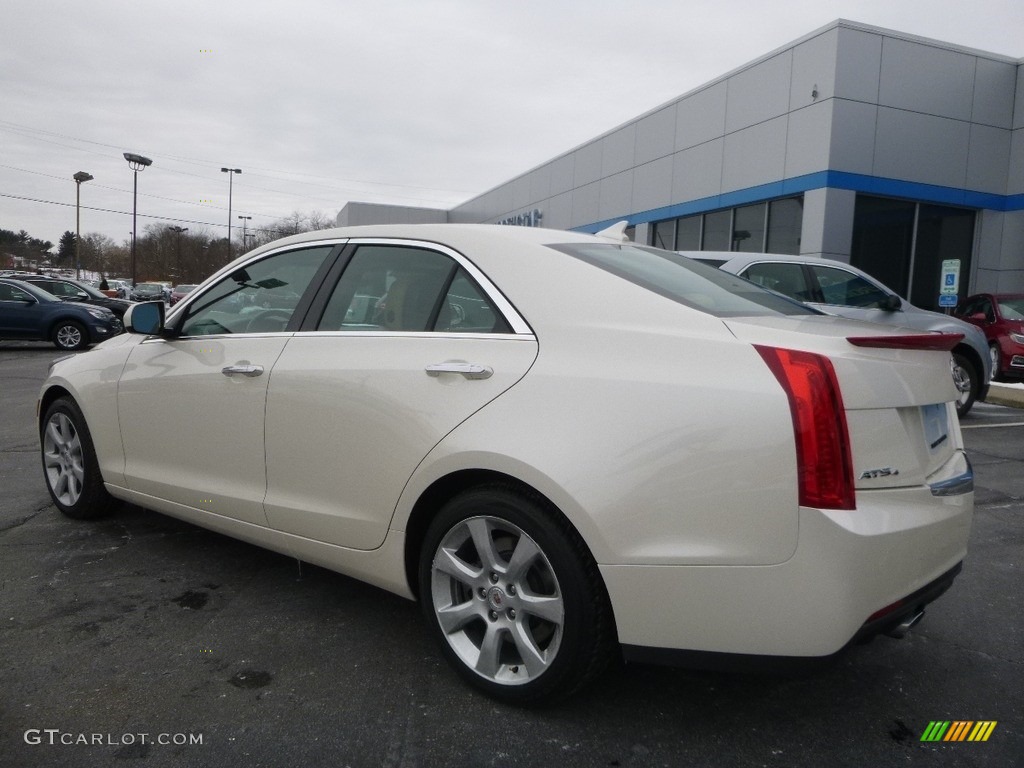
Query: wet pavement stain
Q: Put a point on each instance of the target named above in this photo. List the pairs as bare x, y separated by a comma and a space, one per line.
251, 679
192, 600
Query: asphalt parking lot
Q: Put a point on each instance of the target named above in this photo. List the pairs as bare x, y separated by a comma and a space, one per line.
141, 638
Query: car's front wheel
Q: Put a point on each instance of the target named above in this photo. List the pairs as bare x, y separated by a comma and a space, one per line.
993, 353
71, 335
514, 597
967, 383
69, 462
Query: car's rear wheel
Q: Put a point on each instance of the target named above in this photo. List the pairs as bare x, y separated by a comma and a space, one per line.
70, 334
69, 462
967, 383
514, 597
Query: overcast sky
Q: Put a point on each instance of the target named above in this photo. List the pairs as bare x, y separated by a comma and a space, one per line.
320, 102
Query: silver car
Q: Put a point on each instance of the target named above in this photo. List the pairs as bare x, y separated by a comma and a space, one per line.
837, 288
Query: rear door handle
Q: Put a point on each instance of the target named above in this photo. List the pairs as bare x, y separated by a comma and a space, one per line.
245, 370
468, 370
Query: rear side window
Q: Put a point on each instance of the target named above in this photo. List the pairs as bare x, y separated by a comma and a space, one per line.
684, 280
407, 289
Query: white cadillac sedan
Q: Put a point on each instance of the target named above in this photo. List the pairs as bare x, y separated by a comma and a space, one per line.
565, 447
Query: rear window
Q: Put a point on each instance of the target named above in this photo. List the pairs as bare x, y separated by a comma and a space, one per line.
684, 280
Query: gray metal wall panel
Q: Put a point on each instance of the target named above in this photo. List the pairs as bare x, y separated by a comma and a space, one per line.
994, 86
814, 69
808, 139
1015, 174
988, 159
618, 151
586, 204
558, 211
540, 183
759, 93
616, 197
656, 135
858, 65
652, 184
697, 172
922, 148
854, 124
1018, 109
923, 78
521, 192
755, 155
587, 159
700, 117
562, 170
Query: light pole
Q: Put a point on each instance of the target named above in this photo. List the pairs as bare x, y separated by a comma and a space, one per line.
179, 230
231, 177
245, 220
79, 178
136, 163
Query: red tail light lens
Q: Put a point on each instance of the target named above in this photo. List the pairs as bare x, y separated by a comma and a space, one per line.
824, 465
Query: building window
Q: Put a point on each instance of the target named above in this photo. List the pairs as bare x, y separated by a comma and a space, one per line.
903, 244
688, 233
770, 227
748, 226
785, 222
717, 231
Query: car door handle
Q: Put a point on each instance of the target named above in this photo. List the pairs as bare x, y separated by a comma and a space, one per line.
246, 370
469, 370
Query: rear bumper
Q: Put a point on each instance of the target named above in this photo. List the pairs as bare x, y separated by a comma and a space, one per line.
898, 545
905, 609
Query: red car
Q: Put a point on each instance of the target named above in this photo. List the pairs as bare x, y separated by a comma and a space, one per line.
1001, 317
179, 292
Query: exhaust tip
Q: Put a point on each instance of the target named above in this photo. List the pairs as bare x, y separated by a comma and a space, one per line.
900, 630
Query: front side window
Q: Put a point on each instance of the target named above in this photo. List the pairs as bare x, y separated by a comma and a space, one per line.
258, 298
846, 289
408, 289
11, 293
787, 278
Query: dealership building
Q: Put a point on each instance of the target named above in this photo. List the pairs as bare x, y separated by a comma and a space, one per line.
895, 153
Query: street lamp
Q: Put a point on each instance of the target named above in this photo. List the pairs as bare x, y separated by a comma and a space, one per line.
231, 177
136, 163
179, 230
79, 178
245, 220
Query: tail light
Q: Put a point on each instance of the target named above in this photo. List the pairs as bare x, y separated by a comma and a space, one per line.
824, 465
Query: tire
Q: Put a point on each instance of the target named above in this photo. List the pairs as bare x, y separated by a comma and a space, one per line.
70, 335
967, 383
514, 597
69, 463
993, 353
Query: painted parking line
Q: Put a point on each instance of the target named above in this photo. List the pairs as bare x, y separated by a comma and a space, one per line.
993, 426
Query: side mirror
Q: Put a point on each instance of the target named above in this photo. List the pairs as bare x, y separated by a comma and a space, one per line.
146, 318
891, 303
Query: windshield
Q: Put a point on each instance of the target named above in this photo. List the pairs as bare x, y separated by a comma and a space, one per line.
684, 280
1012, 309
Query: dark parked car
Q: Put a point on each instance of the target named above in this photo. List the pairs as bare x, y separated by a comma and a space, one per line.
1001, 317
30, 313
148, 292
75, 290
